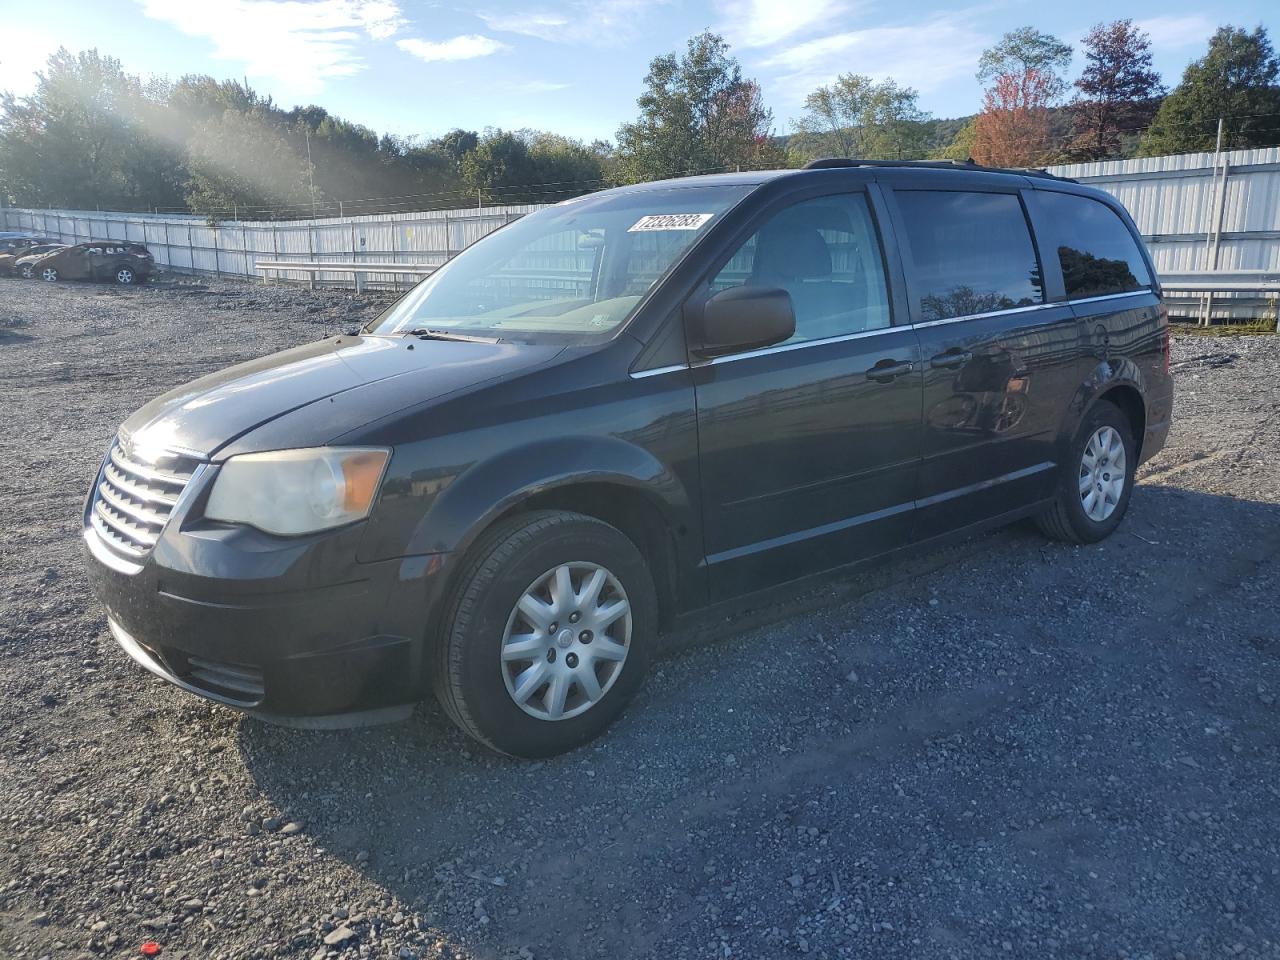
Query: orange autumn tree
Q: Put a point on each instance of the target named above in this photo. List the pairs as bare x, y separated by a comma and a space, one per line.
1014, 128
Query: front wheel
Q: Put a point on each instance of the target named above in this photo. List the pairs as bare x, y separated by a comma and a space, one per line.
549, 634
49, 275
26, 271
126, 277
1096, 480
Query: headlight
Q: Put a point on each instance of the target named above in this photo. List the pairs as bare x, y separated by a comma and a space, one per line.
288, 492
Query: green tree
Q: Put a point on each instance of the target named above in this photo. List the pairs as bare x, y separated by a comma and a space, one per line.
529, 166
1027, 49
84, 138
961, 146
1118, 89
697, 114
1235, 81
857, 117
245, 160
457, 143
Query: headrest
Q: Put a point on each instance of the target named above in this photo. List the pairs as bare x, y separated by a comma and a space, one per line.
791, 251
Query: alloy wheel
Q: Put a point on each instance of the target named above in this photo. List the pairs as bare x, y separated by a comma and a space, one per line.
124, 276
1103, 473
566, 641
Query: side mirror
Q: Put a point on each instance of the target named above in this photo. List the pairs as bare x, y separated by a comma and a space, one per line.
742, 318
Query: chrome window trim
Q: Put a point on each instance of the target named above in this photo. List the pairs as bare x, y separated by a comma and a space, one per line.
1145, 291
786, 347
657, 371
990, 313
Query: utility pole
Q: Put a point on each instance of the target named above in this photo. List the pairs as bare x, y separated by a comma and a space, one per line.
311, 177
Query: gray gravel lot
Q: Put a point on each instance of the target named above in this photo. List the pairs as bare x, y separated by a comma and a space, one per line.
1005, 748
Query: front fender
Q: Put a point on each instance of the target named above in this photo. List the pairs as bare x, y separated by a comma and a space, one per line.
445, 510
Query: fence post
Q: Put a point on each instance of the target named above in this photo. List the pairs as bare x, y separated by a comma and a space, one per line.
395, 250
359, 287
217, 264
1213, 228
191, 251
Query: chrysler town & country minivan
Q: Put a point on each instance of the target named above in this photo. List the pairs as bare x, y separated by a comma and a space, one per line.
619, 410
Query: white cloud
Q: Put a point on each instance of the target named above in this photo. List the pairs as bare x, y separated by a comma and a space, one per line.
928, 56
761, 23
466, 47
601, 23
296, 44
1174, 33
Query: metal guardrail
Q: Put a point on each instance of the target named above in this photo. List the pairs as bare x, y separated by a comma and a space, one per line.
359, 270
1222, 281
1206, 284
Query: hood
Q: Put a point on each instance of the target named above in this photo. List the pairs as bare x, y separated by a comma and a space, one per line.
207, 414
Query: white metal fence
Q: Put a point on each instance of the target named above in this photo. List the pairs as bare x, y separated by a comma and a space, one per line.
192, 244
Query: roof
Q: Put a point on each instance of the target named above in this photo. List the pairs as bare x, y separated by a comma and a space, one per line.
755, 178
967, 166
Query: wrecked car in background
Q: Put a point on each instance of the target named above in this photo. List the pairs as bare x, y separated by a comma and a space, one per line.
114, 261
27, 255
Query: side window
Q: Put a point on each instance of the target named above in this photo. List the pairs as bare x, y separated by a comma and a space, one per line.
826, 254
1095, 248
972, 252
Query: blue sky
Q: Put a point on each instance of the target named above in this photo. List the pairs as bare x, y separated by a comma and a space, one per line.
572, 66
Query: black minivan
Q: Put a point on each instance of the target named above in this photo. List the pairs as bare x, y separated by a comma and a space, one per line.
621, 409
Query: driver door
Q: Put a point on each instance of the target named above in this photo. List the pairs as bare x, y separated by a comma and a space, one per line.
809, 449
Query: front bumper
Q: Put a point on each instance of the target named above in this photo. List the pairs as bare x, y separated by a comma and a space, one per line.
286, 627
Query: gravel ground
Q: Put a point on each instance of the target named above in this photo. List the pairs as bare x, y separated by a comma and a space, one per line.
1006, 748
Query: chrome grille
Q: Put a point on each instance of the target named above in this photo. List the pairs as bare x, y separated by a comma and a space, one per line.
133, 499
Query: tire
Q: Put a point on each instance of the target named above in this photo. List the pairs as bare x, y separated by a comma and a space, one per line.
49, 274
1072, 518
479, 687
26, 271
125, 276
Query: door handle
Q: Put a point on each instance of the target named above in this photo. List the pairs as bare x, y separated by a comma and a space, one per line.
887, 370
951, 359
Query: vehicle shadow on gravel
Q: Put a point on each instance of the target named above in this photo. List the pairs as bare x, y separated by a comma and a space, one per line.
1002, 725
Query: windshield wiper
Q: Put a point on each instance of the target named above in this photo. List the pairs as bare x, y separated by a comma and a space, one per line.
424, 333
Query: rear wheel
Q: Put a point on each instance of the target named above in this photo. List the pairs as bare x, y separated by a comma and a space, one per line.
1096, 480
549, 634
26, 271
49, 274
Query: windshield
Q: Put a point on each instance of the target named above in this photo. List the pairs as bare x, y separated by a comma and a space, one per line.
573, 271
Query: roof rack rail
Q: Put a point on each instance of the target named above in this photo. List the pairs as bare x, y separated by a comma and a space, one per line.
833, 163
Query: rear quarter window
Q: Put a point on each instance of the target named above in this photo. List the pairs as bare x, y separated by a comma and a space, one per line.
1095, 249
971, 252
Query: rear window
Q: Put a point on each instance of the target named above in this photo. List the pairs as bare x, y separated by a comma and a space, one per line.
1097, 252
972, 252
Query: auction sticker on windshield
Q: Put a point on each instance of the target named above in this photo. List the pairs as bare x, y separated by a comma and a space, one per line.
670, 221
